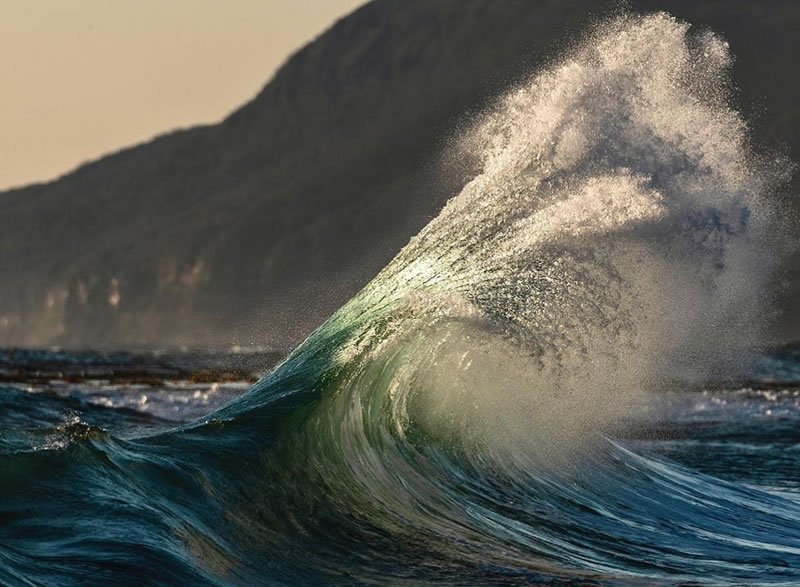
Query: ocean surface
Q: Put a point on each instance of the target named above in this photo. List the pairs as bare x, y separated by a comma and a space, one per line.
109, 479
566, 377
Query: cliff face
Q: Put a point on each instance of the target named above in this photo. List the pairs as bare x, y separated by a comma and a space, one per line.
254, 229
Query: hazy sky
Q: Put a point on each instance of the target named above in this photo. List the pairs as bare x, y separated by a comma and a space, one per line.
81, 78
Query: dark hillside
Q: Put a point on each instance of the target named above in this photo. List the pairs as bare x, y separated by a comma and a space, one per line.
254, 229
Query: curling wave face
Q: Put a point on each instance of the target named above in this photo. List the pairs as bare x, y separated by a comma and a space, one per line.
461, 418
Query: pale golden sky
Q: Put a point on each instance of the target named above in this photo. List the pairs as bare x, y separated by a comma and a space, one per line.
81, 78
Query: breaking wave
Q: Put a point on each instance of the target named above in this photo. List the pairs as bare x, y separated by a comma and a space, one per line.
467, 416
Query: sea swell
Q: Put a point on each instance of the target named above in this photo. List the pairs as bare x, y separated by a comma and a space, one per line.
469, 415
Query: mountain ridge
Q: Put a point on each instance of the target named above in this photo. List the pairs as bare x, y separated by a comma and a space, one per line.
252, 230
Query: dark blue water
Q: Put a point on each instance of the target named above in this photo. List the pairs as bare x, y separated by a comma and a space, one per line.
113, 492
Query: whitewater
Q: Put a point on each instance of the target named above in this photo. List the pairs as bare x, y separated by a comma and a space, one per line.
517, 396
